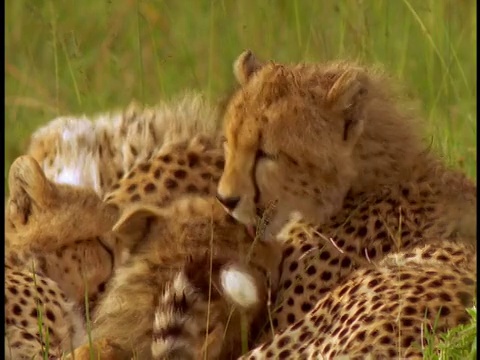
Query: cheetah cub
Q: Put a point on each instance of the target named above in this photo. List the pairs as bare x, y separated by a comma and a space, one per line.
193, 287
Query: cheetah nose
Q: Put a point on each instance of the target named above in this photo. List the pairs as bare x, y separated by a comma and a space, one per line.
229, 202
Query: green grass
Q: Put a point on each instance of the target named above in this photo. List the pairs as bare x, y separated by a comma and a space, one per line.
458, 343
95, 55
64, 57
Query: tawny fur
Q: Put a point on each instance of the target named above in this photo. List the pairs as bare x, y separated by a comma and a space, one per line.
163, 291
92, 155
339, 153
301, 248
58, 220
309, 134
185, 167
97, 151
65, 230
66, 150
142, 131
385, 309
54, 219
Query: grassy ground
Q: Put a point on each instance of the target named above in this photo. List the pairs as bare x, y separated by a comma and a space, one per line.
63, 58
98, 54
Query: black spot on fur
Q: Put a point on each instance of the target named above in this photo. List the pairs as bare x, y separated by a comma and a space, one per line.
444, 311
50, 315
150, 187
133, 150
192, 159
180, 174
306, 307
170, 184
145, 167
465, 298
362, 231
166, 159
135, 198
346, 262
34, 313
220, 163
157, 173
326, 275
27, 336
298, 289
288, 251
325, 255
17, 310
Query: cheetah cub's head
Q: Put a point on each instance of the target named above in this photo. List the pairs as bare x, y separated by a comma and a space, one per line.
43, 216
290, 131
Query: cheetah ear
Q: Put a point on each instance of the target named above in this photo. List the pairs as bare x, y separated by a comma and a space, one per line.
29, 189
245, 66
135, 220
347, 95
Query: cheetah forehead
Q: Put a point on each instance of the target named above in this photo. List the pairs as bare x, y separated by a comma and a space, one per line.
243, 131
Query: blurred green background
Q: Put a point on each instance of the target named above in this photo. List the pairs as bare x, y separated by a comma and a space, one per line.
65, 57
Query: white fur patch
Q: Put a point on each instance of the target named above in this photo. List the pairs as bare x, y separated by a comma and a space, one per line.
70, 175
293, 219
82, 171
74, 128
240, 286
